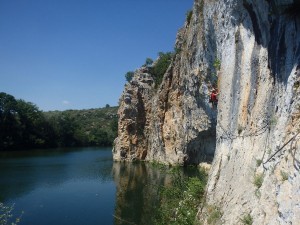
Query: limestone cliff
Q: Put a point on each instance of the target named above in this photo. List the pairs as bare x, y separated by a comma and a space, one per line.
173, 123
258, 43
252, 47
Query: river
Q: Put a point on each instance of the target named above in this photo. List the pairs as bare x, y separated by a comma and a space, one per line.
78, 186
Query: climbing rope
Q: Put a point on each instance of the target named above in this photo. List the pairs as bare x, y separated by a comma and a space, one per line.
257, 132
281, 148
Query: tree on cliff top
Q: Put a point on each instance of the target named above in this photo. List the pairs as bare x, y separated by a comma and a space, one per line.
129, 76
148, 62
160, 67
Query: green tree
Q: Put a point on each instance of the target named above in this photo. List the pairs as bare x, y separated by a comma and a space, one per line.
189, 15
32, 124
23, 125
149, 62
10, 132
114, 127
161, 66
129, 75
66, 130
92, 127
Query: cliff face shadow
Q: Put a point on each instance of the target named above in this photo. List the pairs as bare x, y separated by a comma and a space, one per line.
202, 148
272, 33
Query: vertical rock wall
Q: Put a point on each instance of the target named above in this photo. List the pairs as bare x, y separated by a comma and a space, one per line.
258, 44
252, 49
132, 143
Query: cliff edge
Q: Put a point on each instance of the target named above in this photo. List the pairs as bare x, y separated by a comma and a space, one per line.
250, 50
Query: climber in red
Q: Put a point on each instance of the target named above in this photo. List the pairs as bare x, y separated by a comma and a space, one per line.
214, 98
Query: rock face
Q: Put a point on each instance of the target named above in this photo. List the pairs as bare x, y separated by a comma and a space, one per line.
131, 142
258, 44
252, 48
173, 123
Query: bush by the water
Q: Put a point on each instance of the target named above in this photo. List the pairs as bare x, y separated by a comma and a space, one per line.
179, 201
24, 126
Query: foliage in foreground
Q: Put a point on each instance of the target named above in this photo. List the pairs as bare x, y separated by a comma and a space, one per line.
179, 202
6, 215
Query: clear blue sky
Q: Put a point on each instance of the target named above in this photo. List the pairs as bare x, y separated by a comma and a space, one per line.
73, 54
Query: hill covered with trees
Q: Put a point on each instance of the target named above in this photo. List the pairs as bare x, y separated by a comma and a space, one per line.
88, 127
24, 126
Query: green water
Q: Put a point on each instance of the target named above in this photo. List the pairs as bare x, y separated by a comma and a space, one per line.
79, 186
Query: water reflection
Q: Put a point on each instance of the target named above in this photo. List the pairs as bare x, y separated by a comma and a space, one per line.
23, 173
71, 187
81, 187
137, 192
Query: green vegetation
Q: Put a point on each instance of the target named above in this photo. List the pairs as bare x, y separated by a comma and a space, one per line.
148, 62
258, 162
214, 214
91, 127
258, 180
273, 121
180, 200
211, 77
129, 76
160, 67
177, 50
189, 15
6, 215
257, 193
284, 175
217, 64
24, 126
297, 84
247, 219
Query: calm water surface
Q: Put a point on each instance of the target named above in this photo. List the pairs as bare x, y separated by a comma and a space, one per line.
79, 186
59, 186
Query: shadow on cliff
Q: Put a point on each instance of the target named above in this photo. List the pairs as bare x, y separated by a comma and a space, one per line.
202, 148
274, 40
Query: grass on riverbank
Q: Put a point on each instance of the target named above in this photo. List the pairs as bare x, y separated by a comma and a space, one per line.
180, 200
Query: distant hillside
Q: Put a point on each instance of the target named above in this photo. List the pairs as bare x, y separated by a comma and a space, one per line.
24, 126
87, 127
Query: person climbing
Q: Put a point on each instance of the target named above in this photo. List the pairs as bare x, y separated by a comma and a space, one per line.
214, 98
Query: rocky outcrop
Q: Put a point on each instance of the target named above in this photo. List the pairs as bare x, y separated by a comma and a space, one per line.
173, 123
131, 142
252, 49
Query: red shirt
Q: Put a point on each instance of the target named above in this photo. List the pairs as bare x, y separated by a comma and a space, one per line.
213, 97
